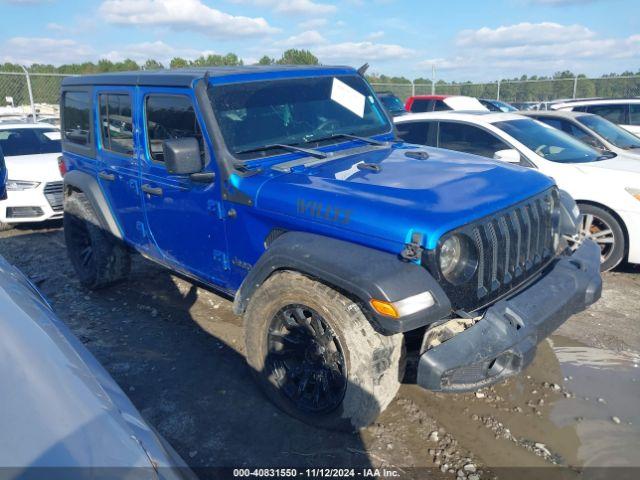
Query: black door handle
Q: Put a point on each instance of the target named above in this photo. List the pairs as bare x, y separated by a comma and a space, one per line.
107, 176
152, 190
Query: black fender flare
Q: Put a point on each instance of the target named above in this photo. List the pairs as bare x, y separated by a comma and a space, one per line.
359, 271
88, 185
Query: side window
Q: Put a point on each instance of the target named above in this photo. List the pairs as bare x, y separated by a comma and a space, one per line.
76, 114
634, 114
115, 123
441, 106
170, 116
552, 122
613, 113
414, 132
469, 139
419, 106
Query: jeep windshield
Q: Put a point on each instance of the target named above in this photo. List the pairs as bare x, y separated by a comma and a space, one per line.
260, 119
548, 142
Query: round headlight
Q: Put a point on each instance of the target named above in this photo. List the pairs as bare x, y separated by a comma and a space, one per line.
458, 259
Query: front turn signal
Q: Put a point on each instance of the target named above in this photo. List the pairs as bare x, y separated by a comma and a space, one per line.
384, 308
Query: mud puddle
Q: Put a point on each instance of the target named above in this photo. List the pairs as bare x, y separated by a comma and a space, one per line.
575, 406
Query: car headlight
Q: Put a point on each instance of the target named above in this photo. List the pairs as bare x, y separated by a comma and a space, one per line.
457, 259
21, 185
634, 192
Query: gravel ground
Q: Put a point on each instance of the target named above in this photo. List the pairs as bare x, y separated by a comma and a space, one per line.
177, 350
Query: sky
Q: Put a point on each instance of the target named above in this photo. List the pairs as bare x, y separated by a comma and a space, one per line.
475, 40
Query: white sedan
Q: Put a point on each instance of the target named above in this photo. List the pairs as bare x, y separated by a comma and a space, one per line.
34, 184
606, 186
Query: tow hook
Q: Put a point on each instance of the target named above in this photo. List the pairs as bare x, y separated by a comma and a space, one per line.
413, 251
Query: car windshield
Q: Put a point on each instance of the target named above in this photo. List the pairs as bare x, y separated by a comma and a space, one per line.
29, 141
548, 142
610, 131
392, 103
300, 111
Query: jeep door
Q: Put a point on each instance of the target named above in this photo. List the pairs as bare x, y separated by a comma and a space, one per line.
184, 218
118, 151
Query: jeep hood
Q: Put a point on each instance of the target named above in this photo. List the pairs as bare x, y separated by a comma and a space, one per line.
403, 194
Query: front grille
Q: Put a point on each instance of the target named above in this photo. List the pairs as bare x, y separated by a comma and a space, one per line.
512, 246
53, 193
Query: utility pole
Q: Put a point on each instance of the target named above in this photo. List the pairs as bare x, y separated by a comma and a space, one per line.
433, 79
575, 86
33, 105
498, 94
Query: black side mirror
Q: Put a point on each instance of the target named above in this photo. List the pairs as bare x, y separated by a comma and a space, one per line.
182, 156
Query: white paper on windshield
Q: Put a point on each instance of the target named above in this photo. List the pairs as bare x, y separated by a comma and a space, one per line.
52, 135
347, 97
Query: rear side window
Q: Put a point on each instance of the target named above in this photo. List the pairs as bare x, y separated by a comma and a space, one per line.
115, 123
414, 132
76, 117
613, 113
170, 116
634, 114
469, 139
419, 105
441, 106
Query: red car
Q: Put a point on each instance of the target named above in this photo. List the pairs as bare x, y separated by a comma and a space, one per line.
430, 103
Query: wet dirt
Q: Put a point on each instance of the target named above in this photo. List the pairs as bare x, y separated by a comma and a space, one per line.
177, 350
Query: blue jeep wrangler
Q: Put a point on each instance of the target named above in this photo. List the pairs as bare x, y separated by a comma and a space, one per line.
286, 188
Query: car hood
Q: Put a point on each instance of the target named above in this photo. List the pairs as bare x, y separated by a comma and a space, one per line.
40, 168
622, 162
402, 195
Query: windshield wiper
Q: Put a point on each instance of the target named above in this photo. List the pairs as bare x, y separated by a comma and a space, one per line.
368, 140
307, 151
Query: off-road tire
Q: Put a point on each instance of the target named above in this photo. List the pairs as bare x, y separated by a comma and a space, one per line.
6, 226
374, 362
98, 258
618, 251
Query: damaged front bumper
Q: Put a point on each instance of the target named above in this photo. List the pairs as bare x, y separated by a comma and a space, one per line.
504, 341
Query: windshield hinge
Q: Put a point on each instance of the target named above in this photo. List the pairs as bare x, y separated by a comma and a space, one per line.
413, 250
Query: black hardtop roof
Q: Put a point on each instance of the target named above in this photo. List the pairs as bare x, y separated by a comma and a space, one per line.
184, 77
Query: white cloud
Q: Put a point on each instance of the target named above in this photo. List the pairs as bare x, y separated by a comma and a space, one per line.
361, 52
55, 27
375, 35
307, 39
313, 23
293, 7
544, 33
158, 50
183, 15
541, 49
28, 50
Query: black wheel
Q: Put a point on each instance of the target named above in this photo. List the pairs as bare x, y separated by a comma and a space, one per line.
604, 229
316, 355
98, 258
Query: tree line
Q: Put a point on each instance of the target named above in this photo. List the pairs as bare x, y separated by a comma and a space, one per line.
523, 88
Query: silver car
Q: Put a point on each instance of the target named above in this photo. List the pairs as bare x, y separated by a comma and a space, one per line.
61, 412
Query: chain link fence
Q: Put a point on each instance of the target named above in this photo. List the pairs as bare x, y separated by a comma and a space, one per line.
524, 90
16, 99
22, 94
